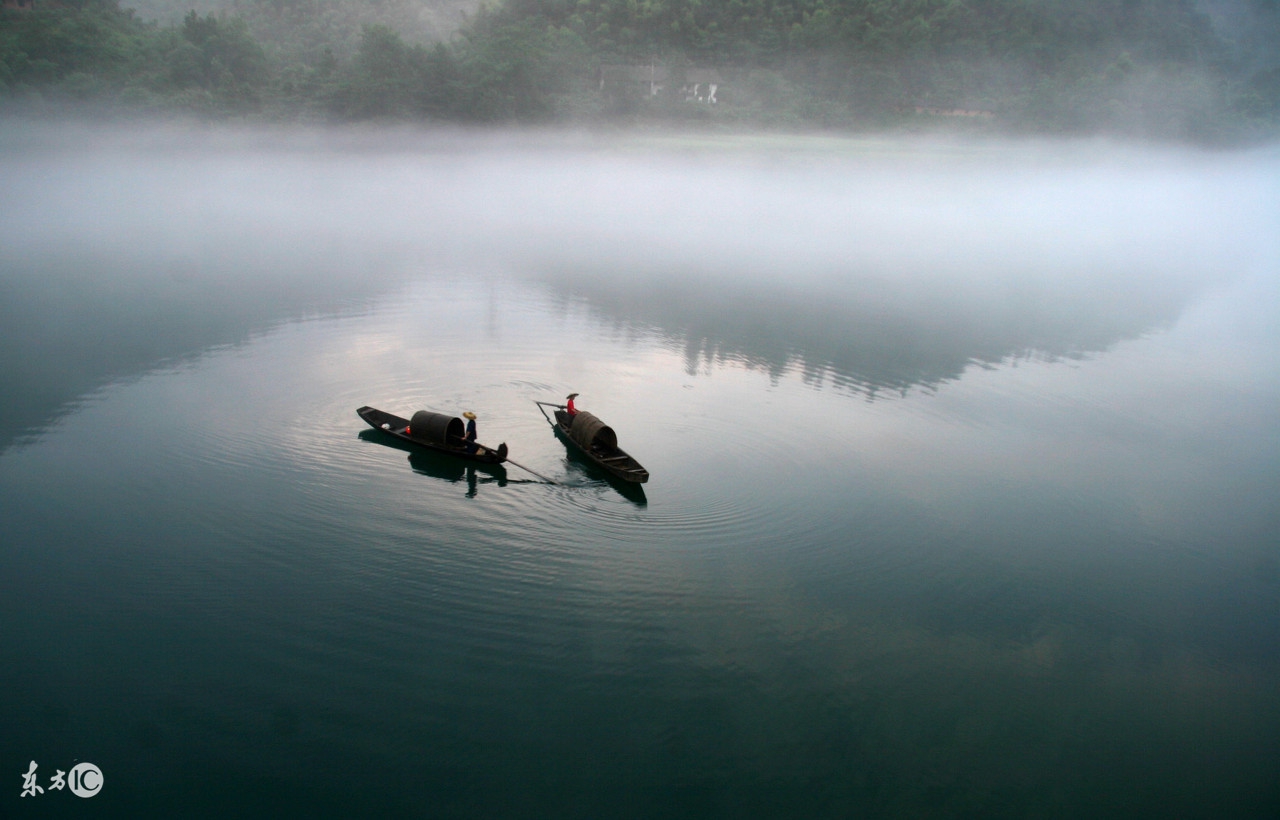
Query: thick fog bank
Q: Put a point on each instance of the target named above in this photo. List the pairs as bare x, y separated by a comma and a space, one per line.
765, 207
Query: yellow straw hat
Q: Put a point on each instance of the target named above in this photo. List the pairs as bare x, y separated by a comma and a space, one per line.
469, 415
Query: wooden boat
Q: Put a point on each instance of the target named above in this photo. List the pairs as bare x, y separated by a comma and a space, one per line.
597, 442
436, 464
434, 431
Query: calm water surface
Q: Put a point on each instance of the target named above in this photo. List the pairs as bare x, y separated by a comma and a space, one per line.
964, 461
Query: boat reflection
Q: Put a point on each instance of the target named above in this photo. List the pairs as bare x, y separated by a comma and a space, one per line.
441, 465
588, 470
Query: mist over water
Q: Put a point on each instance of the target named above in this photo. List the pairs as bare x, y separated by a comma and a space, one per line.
963, 463
946, 252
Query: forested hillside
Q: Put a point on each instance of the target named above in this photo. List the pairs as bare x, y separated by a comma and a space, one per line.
1166, 68
417, 21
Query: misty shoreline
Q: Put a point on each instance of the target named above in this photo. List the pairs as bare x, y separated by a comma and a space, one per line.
1191, 73
25, 128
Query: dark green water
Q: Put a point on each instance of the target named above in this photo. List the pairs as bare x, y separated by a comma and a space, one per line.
965, 464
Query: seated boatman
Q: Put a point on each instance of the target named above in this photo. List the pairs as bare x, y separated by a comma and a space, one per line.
470, 437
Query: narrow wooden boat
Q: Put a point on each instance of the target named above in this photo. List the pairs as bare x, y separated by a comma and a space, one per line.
434, 431
436, 464
596, 441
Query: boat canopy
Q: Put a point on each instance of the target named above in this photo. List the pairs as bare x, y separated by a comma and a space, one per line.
436, 428
590, 432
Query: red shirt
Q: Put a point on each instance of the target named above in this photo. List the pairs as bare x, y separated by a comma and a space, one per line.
570, 409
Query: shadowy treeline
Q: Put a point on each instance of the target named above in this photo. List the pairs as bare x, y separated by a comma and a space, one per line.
1159, 68
878, 339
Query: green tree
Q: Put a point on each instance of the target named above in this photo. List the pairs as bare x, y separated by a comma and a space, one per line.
93, 42
518, 71
390, 79
216, 60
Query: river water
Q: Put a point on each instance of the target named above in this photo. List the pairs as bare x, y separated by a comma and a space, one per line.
965, 465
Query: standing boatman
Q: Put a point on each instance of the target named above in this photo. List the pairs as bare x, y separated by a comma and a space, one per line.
569, 408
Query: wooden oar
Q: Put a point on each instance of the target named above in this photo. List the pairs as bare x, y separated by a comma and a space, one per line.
542, 404
527, 470
509, 461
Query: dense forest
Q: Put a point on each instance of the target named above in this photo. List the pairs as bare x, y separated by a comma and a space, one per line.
1202, 71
